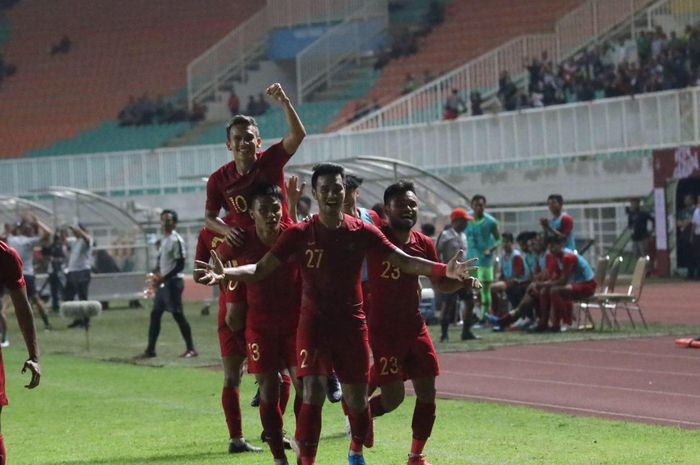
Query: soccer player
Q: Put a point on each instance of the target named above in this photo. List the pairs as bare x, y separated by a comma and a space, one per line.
24, 243
12, 280
574, 280
483, 238
400, 341
273, 312
514, 274
168, 283
561, 224
332, 331
229, 186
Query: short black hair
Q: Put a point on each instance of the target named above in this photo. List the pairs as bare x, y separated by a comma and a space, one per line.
553, 239
476, 197
525, 236
240, 120
398, 188
556, 197
506, 236
352, 182
165, 212
326, 169
428, 229
264, 189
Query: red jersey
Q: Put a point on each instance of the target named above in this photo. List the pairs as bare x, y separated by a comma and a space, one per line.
206, 242
11, 275
394, 306
229, 189
331, 262
273, 303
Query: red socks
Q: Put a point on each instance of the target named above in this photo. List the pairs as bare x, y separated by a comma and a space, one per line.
271, 419
285, 387
308, 432
230, 400
359, 427
3, 454
422, 425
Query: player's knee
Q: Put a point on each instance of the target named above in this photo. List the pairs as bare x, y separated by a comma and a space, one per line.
355, 401
392, 399
314, 390
232, 380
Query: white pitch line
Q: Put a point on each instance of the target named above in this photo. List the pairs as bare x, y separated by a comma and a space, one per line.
479, 355
567, 408
566, 383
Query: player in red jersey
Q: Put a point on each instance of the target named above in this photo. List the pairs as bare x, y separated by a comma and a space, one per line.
400, 341
273, 312
231, 345
332, 331
229, 186
12, 280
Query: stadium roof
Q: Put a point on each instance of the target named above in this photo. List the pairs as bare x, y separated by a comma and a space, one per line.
437, 196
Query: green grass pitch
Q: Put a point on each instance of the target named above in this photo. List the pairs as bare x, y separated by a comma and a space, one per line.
98, 408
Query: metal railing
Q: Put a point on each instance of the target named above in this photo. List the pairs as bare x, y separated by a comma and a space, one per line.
625, 124
584, 24
316, 64
230, 56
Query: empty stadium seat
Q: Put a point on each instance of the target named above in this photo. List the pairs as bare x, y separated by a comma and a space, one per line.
119, 49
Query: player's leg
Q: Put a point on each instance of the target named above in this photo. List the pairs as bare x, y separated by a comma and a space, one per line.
231, 403
485, 275
544, 310
497, 288
174, 287
270, 412
159, 306
308, 430
233, 353
3, 452
4, 305
35, 301
423, 418
447, 313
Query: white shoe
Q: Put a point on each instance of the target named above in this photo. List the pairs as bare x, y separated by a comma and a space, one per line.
5, 343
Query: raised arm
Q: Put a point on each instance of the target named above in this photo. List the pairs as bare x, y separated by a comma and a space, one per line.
294, 193
297, 132
25, 320
80, 234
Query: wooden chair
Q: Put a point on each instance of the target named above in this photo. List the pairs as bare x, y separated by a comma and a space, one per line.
630, 299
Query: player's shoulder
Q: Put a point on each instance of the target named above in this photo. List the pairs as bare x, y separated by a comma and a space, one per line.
222, 171
490, 218
355, 224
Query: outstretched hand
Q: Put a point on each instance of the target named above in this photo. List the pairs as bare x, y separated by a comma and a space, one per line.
458, 269
294, 190
212, 273
35, 369
276, 92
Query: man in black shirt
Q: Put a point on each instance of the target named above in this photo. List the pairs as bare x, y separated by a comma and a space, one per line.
637, 221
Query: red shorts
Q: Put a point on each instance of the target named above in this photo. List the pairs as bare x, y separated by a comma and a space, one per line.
230, 342
322, 348
399, 358
3, 396
234, 292
584, 289
270, 352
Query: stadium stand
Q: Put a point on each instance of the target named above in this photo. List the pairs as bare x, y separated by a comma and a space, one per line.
117, 51
471, 27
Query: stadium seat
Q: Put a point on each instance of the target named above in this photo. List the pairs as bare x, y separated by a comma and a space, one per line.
119, 49
630, 299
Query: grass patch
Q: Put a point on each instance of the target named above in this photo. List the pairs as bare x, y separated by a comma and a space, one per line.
92, 411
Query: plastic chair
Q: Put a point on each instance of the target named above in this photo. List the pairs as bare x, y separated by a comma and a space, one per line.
630, 300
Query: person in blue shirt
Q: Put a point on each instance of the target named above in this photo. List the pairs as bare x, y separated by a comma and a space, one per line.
514, 274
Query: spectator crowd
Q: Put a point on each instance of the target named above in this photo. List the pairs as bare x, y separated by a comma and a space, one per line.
144, 111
